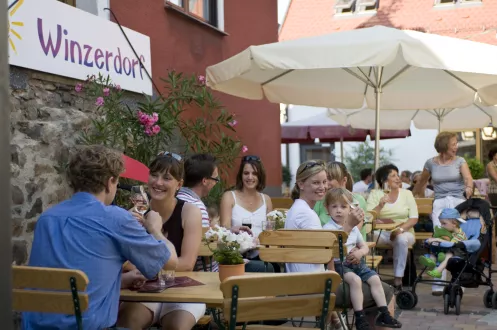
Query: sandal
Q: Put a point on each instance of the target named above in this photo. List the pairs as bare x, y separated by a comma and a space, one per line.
386, 320
361, 323
397, 288
427, 262
434, 273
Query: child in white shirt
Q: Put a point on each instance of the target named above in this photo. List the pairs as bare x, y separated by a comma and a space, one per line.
355, 271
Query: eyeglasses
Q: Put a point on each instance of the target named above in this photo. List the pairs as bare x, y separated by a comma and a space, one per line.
251, 158
311, 165
169, 154
214, 179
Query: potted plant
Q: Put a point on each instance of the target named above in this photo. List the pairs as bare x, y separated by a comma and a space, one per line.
278, 218
229, 249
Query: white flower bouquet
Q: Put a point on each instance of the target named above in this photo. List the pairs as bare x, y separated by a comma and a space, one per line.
278, 218
230, 246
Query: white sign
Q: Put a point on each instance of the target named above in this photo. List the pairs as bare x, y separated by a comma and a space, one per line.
50, 36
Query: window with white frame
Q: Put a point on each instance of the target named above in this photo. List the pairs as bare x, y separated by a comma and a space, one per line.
95, 7
208, 11
344, 6
366, 5
454, 2
355, 6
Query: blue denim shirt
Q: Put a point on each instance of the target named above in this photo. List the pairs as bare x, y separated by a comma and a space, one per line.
83, 233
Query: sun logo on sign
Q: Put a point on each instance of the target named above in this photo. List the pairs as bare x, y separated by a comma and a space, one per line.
14, 5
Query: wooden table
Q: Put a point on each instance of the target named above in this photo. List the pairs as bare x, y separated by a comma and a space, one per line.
209, 293
387, 226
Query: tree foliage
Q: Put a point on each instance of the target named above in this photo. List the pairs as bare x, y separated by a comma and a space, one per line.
362, 156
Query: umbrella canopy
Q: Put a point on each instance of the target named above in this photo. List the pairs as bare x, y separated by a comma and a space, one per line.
454, 119
383, 67
135, 170
324, 128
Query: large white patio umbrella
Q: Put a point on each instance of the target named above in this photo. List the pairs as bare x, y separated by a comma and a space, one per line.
384, 67
453, 119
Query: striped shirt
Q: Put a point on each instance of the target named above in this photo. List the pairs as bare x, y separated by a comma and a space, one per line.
189, 196
458, 236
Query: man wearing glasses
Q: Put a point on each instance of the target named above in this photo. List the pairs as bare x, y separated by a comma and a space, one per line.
201, 175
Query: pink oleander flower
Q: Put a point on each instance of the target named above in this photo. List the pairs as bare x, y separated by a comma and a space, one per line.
233, 123
100, 101
244, 149
201, 80
148, 120
156, 129
118, 87
148, 131
106, 91
78, 88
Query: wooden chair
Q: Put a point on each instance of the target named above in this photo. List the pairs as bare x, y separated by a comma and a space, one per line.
373, 261
56, 290
297, 246
275, 296
425, 205
281, 202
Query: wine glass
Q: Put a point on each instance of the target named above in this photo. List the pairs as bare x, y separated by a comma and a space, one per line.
247, 222
386, 188
140, 201
354, 204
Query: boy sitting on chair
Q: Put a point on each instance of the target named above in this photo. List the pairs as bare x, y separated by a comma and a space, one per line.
355, 271
450, 220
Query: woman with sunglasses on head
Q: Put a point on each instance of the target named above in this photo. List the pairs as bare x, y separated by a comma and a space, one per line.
182, 225
310, 188
246, 205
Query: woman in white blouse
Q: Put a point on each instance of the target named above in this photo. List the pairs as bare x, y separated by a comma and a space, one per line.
310, 187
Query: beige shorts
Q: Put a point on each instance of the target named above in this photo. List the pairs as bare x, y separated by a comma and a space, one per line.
161, 309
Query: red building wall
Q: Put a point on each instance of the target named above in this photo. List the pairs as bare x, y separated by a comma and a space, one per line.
179, 42
307, 18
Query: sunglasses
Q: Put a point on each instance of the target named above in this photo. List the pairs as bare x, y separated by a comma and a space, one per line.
251, 158
169, 154
311, 165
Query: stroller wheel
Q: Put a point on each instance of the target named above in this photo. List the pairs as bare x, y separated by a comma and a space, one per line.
406, 299
494, 300
446, 303
487, 298
458, 304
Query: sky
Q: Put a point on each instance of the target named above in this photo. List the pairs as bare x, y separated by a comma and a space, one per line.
408, 154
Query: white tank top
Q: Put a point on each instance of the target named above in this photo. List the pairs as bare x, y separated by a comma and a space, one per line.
241, 216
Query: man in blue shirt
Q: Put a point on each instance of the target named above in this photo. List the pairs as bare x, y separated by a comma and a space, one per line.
88, 234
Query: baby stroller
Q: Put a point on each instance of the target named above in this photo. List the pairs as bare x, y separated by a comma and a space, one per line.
467, 272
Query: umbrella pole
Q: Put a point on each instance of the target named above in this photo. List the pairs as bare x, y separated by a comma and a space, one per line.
341, 150
377, 92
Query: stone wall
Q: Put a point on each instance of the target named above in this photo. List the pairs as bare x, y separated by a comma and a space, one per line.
47, 116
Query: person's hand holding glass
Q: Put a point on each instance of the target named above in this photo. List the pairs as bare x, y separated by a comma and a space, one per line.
140, 201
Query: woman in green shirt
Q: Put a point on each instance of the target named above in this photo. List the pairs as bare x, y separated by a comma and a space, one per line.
339, 177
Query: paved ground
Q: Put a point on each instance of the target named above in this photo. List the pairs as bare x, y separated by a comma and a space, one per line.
429, 315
